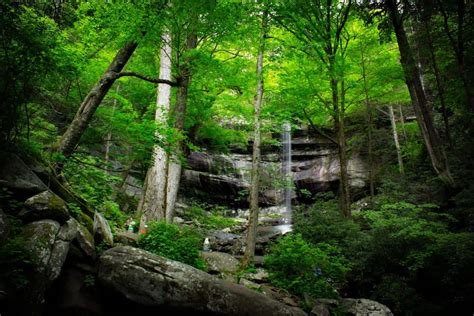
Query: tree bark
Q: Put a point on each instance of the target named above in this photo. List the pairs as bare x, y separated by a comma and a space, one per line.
174, 165
74, 132
395, 139
152, 202
345, 199
108, 138
370, 125
417, 94
255, 176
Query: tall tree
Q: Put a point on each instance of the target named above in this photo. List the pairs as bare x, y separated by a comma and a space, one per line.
418, 96
256, 157
320, 26
152, 204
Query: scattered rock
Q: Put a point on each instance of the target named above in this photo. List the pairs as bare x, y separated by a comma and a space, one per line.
152, 280
18, 177
260, 276
102, 230
364, 307
249, 284
279, 295
350, 306
45, 205
220, 262
126, 238
178, 220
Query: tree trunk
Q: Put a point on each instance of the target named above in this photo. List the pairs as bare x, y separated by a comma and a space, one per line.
370, 126
108, 138
402, 121
254, 189
395, 139
74, 132
152, 202
174, 165
437, 73
345, 199
420, 104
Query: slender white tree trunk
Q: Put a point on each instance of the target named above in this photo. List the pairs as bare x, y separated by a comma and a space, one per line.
395, 139
152, 204
254, 190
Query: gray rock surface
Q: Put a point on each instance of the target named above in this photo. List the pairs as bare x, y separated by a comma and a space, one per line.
152, 280
45, 205
18, 177
85, 241
364, 307
350, 306
220, 262
48, 244
102, 229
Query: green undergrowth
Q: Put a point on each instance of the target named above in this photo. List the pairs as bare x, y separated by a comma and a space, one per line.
174, 242
304, 268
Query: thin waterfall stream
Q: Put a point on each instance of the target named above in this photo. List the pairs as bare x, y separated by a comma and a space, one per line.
286, 223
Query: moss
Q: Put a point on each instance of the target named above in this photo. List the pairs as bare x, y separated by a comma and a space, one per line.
56, 203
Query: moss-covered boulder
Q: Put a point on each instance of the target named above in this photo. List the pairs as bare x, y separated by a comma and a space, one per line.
45, 205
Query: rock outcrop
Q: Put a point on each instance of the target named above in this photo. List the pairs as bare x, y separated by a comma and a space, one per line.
315, 168
152, 280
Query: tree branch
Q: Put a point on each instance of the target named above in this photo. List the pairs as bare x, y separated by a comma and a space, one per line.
146, 78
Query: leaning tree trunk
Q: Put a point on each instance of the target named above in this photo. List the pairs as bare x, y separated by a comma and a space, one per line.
152, 202
174, 165
255, 176
417, 94
74, 132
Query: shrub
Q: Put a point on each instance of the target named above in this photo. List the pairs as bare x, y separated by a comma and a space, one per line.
173, 242
301, 267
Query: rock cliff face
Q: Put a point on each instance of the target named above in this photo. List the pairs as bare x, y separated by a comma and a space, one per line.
315, 168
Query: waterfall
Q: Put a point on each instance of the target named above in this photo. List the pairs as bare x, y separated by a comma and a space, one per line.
286, 169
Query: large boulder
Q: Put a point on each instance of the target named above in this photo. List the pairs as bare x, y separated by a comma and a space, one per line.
152, 280
16, 176
220, 262
45, 205
48, 244
102, 230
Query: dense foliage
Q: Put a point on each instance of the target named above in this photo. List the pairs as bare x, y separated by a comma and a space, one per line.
389, 81
302, 268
